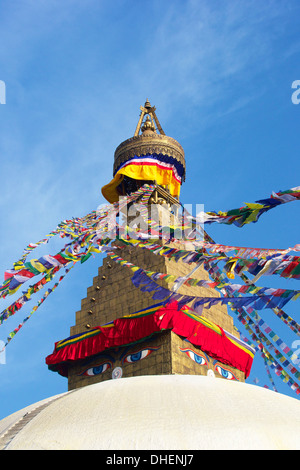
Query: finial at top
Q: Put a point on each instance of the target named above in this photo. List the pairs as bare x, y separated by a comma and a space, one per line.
147, 104
148, 110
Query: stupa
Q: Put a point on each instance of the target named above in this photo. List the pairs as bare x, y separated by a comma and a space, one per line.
180, 373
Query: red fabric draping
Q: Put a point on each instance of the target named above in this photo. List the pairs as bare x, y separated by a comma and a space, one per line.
127, 330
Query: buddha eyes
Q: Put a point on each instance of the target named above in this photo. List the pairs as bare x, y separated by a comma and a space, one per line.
96, 370
137, 356
128, 358
201, 360
225, 372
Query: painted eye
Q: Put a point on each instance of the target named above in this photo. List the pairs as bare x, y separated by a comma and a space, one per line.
137, 356
195, 357
97, 369
225, 373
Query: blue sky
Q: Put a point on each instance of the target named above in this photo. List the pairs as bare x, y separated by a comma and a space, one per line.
220, 75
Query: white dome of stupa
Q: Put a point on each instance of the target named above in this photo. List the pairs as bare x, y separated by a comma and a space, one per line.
166, 412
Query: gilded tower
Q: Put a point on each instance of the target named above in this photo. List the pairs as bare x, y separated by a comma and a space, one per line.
149, 157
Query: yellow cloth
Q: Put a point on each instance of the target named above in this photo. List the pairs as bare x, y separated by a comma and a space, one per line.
109, 191
143, 171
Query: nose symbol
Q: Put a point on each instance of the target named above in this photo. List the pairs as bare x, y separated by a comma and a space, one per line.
117, 373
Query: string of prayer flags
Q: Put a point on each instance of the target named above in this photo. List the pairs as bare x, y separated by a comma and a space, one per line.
282, 373
15, 278
79, 225
94, 233
233, 289
259, 337
256, 349
248, 316
83, 232
250, 212
145, 284
269, 352
13, 333
283, 265
286, 266
233, 264
221, 281
240, 251
269, 375
243, 289
26, 296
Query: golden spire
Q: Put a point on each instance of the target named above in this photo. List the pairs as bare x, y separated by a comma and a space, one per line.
149, 141
149, 138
